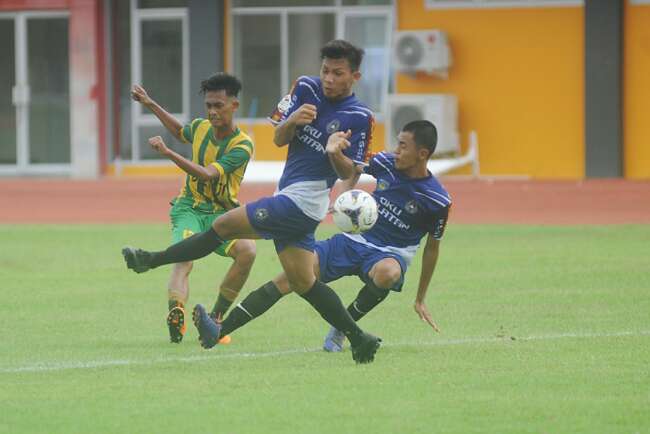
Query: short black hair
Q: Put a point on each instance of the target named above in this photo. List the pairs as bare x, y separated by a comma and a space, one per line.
221, 81
340, 49
424, 133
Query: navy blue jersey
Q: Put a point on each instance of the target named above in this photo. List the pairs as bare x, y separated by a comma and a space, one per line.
306, 159
408, 208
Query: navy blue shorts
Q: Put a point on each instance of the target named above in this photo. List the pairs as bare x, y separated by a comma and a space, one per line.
340, 256
279, 219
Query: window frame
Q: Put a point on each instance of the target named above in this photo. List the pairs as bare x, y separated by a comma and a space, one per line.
139, 116
493, 4
340, 13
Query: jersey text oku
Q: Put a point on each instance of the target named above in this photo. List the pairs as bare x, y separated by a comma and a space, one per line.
308, 174
408, 209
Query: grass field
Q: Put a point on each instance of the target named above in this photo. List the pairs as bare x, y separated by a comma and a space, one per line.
544, 330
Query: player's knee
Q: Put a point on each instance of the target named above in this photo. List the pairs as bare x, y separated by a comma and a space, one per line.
224, 226
246, 252
300, 284
386, 276
282, 283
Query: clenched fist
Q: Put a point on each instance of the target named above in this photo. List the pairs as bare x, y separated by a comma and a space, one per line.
140, 95
338, 141
158, 145
304, 115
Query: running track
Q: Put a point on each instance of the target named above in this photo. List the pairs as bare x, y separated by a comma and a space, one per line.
111, 200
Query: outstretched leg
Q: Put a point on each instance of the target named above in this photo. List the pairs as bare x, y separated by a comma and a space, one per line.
232, 225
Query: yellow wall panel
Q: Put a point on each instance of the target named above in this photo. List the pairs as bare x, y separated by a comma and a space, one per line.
636, 91
519, 78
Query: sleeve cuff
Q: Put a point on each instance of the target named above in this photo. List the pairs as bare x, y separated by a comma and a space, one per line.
244, 147
183, 136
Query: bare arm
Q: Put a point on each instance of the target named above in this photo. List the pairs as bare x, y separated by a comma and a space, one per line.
203, 173
348, 184
172, 124
429, 260
285, 131
343, 166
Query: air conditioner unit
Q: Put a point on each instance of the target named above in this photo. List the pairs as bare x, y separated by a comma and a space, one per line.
441, 109
421, 50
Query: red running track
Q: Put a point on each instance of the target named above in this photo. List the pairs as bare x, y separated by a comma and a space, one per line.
31, 200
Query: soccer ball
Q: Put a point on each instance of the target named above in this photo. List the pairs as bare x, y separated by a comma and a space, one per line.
355, 211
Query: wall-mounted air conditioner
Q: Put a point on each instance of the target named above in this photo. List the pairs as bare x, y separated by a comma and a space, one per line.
421, 50
441, 109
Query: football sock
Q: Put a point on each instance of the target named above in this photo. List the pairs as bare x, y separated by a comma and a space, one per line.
173, 303
254, 305
368, 297
329, 306
220, 307
191, 248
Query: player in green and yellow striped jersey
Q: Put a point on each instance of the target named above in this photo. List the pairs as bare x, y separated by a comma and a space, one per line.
220, 154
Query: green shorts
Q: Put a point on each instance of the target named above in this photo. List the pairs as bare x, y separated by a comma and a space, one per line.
187, 221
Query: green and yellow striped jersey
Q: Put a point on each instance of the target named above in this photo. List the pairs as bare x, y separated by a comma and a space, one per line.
229, 156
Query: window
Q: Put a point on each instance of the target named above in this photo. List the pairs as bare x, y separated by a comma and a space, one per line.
258, 51
280, 3
371, 33
304, 52
450, 4
145, 4
274, 42
149, 45
160, 62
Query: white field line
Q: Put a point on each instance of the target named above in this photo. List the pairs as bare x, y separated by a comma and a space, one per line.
215, 355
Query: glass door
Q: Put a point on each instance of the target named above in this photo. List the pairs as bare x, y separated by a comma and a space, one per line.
8, 126
34, 93
160, 59
371, 31
49, 90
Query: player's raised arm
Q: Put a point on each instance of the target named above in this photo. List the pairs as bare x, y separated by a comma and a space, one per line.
203, 173
429, 260
286, 130
343, 165
173, 125
351, 182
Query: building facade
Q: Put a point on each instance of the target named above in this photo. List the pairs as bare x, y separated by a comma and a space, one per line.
555, 89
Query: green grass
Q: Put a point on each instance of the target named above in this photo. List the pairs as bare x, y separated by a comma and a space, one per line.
544, 330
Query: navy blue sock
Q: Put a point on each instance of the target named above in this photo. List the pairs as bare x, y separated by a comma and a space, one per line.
254, 305
329, 306
220, 307
367, 299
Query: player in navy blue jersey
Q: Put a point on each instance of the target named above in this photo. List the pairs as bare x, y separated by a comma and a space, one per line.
412, 204
327, 130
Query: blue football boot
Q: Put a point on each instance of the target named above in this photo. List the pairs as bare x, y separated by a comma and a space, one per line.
334, 341
209, 329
